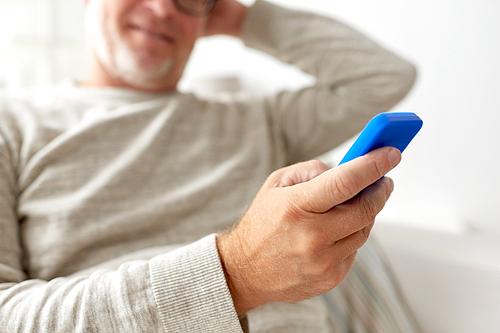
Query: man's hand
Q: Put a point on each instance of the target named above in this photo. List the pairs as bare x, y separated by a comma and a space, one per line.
300, 235
226, 18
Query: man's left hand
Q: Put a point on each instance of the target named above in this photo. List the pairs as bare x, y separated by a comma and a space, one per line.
226, 18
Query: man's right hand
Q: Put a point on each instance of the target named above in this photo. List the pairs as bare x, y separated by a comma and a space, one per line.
299, 237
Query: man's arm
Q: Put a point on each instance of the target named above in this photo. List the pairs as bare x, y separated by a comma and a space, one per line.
356, 77
176, 292
291, 244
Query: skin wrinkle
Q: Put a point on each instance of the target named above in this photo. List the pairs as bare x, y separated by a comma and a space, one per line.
343, 185
342, 216
247, 262
369, 206
317, 168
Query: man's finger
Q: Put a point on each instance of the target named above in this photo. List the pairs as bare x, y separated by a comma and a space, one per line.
354, 215
340, 184
297, 173
348, 246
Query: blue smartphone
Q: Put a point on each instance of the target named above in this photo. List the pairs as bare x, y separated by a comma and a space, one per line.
395, 129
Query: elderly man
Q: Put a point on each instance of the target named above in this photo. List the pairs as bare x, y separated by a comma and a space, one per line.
115, 192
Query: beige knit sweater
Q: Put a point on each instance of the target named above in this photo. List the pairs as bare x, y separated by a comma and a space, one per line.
99, 185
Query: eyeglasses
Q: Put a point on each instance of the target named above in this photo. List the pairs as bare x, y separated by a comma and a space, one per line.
197, 8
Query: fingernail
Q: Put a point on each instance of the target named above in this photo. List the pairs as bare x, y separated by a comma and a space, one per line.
394, 157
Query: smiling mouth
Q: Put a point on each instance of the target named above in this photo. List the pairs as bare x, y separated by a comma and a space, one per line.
154, 34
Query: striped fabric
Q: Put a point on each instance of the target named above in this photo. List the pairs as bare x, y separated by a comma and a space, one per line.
369, 300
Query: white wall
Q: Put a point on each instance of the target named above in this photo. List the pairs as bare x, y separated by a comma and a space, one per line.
41, 41
449, 176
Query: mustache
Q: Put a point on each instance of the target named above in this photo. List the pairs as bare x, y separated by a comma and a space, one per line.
164, 28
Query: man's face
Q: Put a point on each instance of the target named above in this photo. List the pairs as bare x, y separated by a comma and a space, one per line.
144, 43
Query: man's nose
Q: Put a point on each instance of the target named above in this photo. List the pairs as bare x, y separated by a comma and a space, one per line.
161, 8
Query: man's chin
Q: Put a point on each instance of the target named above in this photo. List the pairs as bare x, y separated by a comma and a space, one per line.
143, 79
143, 74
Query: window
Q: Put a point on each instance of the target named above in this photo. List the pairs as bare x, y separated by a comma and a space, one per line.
41, 41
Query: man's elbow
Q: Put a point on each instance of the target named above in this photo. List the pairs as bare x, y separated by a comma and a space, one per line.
406, 78
394, 85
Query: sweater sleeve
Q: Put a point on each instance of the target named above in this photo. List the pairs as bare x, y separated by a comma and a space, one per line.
182, 291
355, 78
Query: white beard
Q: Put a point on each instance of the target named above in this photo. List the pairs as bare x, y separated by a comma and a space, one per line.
115, 54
